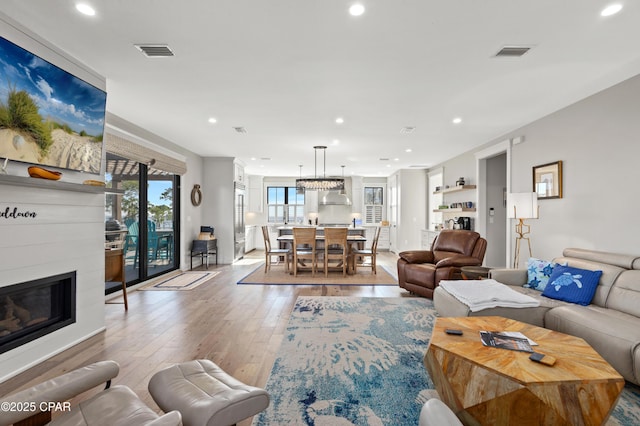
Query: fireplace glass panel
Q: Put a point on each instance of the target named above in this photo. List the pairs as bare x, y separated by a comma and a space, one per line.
33, 309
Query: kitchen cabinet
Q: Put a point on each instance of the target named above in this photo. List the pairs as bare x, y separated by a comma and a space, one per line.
427, 237
250, 238
384, 241
255, 194
238, 173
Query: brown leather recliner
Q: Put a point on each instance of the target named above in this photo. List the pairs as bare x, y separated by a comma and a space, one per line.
420, 271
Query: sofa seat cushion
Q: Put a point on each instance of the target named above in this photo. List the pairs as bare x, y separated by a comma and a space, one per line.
613, 334
422, 274
117, 405
448, 306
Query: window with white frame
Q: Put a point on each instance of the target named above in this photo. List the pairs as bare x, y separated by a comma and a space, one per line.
373, 204
285, 205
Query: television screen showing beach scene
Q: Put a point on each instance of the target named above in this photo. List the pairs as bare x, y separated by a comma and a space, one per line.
47, 115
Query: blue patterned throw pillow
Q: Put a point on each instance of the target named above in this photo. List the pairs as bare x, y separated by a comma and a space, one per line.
572, 285
538, 273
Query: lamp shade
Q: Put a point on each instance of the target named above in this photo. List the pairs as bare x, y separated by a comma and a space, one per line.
522, 205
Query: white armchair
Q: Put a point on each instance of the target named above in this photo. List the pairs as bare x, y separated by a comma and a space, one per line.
113, 405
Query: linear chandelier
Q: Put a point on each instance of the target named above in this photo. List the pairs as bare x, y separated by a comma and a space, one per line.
320, 183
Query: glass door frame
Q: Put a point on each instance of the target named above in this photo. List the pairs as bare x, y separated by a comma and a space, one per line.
143, 272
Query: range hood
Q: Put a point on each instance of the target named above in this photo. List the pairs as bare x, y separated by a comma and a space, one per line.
334, 198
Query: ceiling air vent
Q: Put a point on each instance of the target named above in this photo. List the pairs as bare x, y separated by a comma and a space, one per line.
155, 50
240, 129
407, 129
513, 51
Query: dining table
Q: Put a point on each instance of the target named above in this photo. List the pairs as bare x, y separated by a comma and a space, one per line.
352, 240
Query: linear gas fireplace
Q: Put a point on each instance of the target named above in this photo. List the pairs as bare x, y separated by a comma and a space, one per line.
33, 309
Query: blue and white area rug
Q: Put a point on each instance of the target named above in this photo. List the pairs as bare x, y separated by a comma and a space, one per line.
358, 361
351, 360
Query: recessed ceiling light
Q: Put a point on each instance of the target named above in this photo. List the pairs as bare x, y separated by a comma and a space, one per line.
85, 9
356, 9
396, 159
457, 120
212, 120
408, 150
339, 120
336, 142
612, 9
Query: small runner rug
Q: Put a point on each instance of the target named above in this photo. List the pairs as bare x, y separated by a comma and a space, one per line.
182, 282
358, 361
278, 276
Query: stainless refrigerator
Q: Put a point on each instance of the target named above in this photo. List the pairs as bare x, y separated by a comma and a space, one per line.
238, 221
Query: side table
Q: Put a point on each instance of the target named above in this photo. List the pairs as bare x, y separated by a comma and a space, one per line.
204, 248
474, 272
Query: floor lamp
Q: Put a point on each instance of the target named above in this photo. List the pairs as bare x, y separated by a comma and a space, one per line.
521, 206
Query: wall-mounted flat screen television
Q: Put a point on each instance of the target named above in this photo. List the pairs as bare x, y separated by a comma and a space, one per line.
47, 115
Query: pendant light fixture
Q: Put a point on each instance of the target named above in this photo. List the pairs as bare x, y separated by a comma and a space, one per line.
320, 183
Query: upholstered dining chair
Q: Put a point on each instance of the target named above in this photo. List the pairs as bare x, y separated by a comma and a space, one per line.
304, 248
363, 253
335, 248
270, 251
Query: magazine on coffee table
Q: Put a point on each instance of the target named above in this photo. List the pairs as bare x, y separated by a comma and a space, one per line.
496, 339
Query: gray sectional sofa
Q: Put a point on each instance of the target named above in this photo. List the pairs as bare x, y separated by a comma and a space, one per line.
610, 324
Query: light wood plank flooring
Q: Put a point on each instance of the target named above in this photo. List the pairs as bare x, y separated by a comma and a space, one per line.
239, 327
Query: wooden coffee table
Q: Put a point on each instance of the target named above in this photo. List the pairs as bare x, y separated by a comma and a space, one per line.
491, 386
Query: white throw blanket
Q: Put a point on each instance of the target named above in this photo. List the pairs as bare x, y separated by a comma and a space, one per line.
484, 294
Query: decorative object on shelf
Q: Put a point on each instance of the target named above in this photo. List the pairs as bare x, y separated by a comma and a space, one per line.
521, 206
320, 183
39, 172
547, 180
460, 182
94, 182
196, 195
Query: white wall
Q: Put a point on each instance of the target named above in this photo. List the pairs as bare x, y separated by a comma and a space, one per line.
217, 203
412, 209
495, 226
596, 139
66, 235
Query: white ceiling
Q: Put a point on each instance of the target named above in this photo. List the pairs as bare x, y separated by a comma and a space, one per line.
285, 69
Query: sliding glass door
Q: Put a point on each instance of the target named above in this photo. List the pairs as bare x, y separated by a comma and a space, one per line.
144, 202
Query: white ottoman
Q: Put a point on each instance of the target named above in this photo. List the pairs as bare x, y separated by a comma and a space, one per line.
205, 395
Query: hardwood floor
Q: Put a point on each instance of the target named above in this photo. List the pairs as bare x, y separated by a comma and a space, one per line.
239, 327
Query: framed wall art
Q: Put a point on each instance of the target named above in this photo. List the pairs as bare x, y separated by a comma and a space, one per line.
547, 180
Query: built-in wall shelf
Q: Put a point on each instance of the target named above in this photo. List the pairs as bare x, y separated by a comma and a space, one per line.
455, 189
55, 184
455, 210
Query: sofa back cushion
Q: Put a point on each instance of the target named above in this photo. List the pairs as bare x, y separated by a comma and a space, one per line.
609, 275
625, 293
456, 242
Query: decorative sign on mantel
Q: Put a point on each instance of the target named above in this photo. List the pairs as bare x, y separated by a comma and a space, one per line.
15, 213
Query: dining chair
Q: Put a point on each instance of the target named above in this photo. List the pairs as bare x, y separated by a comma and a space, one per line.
335, 248
363, 253
269, 252
304, 248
